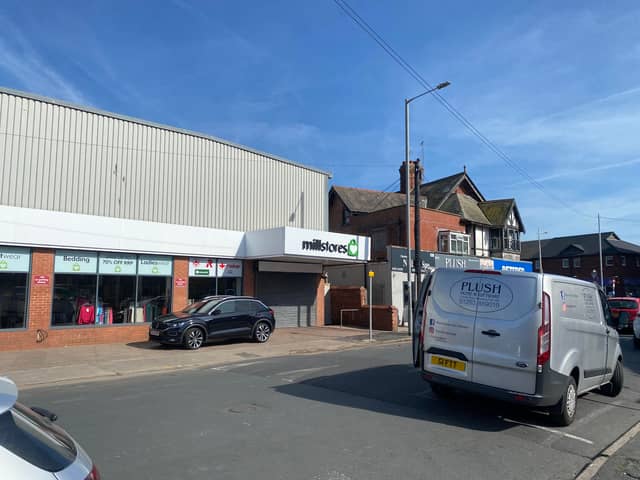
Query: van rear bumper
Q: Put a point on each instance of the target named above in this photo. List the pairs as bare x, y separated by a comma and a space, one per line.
550, 387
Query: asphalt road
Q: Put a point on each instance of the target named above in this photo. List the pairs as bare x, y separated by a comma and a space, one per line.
358, 414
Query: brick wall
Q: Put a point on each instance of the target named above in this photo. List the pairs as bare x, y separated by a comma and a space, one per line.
385, 317
320, 302
180, 283
249, 278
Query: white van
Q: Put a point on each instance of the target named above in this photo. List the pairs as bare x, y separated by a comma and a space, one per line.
538, 340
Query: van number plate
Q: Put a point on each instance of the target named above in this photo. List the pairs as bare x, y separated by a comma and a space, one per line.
448, 363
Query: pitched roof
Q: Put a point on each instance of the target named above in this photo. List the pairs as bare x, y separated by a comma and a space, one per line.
586, 244
466, 207
438, 191
359, 200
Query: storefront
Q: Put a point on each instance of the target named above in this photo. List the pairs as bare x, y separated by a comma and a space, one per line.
93, 292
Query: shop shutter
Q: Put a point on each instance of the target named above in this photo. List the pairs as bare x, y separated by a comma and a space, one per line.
292, 296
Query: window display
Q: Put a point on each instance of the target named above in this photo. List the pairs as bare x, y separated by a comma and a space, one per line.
209, 276
15, 263
109, 288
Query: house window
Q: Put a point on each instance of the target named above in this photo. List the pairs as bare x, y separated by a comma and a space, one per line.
346, 216
378, 240
609, 260
565, 263
536, 264
495, 239
512, 239
623, 260
576, 262
453, 242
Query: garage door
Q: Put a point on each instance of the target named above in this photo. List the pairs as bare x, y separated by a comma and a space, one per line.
292, 296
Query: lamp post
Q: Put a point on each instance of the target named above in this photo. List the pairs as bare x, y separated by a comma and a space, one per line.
540, 249
407, 101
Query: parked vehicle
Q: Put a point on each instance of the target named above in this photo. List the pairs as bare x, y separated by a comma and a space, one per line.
214, 318
625, 310
32, 447
537, 340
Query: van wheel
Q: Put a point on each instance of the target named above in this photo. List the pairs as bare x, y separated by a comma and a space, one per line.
565, 410
614, 387
441, 391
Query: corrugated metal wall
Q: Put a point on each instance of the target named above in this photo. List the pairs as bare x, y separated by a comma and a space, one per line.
55, 157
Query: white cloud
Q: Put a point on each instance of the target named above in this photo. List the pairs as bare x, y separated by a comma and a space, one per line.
19, 58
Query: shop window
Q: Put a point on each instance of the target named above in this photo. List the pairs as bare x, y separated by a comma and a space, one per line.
116, 300
15, 263
14, 295
154, 297
74, 299
213, 277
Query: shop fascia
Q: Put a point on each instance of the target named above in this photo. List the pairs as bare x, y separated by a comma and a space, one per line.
431, 260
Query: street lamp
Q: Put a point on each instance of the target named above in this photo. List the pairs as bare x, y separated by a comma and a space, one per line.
407, 101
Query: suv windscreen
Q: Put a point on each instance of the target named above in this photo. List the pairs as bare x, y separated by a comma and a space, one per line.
29, 436
201, 307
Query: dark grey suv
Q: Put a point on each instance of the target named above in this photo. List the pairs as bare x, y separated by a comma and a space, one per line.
214, 318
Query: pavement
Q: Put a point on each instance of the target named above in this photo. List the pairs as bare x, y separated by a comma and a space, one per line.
33, 368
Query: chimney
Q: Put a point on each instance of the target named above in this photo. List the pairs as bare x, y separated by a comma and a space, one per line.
403, 179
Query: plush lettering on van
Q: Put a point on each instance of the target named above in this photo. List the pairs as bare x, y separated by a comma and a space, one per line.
481, 294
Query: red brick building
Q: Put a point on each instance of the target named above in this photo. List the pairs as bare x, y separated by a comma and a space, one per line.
579, 256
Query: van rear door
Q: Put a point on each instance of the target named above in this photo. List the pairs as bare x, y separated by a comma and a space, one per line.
448, 328
506, 329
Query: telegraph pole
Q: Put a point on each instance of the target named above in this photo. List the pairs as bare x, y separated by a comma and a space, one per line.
417, 264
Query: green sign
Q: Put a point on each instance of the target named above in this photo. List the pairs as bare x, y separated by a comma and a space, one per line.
201, 272
352, 248
14, 259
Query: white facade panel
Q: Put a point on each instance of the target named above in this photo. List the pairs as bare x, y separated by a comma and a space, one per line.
64, 158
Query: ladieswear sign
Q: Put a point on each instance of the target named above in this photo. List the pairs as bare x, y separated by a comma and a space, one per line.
481, 294
14, 259
70, 261
155, 265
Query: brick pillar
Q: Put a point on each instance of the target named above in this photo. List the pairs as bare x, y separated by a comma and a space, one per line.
320, 302
180, 283
249, 278
41, 296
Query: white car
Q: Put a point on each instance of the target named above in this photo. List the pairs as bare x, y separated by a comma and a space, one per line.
32, 448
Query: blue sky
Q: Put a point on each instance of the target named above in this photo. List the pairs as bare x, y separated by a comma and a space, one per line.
555, 85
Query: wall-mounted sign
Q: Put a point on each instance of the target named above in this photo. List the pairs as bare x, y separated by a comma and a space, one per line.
202, 267
512, 266
117, 264
429, 260
71, 261
155, 265
180, 282
14, 259
41, 279
311, 243
230, 268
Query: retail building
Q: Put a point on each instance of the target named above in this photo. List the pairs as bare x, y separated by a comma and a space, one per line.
107, 222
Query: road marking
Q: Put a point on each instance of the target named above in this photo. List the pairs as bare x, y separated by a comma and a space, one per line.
306, 370
226, 368
550, 430
592, 469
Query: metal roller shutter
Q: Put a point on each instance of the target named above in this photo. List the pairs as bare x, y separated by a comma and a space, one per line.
292, 296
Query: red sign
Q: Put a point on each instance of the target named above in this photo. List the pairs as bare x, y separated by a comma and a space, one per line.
181, 282
41, 279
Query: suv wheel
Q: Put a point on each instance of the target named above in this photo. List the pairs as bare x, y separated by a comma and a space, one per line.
193, 338
262, 332
565, 411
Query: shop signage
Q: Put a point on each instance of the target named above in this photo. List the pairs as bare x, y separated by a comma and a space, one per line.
41, 279
70, 261
117, 264
14, 259
155, 265
202, 267
232, 268
326, 244
512, 266
180, 282
429, 260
